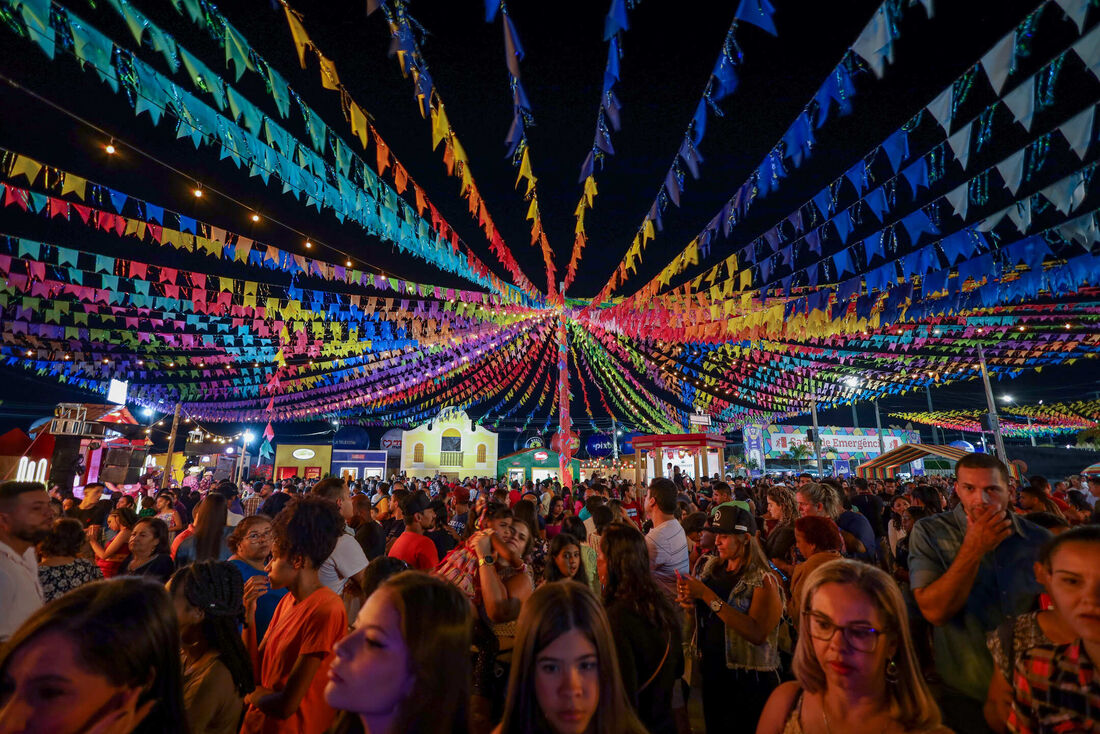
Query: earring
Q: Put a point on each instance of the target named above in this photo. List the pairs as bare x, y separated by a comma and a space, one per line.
891, 672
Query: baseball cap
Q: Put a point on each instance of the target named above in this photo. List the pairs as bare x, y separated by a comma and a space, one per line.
415, 502
731, 520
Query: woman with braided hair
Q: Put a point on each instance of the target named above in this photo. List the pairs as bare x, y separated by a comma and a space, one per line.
217, 674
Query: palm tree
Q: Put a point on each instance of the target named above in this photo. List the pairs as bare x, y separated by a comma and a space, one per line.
800, 452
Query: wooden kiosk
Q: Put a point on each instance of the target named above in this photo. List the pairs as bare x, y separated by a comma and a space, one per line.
707, 452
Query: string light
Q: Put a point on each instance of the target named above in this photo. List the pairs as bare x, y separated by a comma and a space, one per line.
255, 217
309, 245
197, 191
110, 147
349, 263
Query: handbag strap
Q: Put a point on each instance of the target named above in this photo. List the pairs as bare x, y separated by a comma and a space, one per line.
668, 646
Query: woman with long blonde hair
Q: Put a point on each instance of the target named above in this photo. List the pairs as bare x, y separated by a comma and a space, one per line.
855, 666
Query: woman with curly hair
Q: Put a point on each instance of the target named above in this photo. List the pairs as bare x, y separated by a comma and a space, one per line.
779, 527
217, 674
296, 652
60, 569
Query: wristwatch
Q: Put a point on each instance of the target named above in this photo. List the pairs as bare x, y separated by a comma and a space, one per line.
487, 560
716, 606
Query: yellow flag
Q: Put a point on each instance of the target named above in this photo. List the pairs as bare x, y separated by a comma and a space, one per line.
441, 127
691, 255
524, 167
74, 184
28, 167
590, 189
298, 33
359, 123
329, 78
746, 279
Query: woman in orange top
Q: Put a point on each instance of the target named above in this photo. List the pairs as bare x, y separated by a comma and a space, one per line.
296, 652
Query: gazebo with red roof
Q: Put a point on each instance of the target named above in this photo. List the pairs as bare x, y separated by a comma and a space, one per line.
700, 445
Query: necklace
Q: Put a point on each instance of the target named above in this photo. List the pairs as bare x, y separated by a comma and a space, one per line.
825, 717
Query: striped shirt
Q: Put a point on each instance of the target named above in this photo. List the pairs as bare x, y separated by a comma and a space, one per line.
1055, 689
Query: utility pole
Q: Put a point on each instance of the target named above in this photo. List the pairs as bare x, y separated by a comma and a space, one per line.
878, 425
817, 441
614, 439
992, 405
171, 448
928, 394
855, 415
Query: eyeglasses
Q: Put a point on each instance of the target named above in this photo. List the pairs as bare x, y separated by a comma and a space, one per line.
256, 537
861, 637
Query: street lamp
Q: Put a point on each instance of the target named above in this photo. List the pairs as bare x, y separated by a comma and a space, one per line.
1010, 400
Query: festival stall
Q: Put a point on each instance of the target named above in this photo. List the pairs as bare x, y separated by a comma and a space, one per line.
352, 464
535, 465
885, 466
624, 466
450, 445
308, 461
695, 454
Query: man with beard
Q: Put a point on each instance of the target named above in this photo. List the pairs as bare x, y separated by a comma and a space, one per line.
971, 569
413, 546
25, 519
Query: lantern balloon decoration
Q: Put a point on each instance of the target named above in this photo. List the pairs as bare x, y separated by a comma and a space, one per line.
573, 443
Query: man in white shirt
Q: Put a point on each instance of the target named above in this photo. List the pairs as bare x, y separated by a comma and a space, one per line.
25, 519
667, 543
348, 559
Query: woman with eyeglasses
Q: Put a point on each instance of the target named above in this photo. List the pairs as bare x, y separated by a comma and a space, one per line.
251, 542
855, 667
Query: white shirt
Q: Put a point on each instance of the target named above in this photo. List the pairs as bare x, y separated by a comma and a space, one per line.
668, 553
347, 559
20, 590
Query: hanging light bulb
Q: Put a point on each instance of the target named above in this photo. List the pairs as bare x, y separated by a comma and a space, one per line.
348, 263
197, 191
255, 217
110, 147
309, 245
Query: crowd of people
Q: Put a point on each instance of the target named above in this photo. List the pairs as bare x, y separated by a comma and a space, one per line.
777, 605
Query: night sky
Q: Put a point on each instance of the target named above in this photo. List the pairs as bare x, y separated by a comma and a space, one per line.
668, 54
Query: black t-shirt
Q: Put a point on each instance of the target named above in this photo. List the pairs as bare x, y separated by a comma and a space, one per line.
870, 506
159, 567
444, 543
96, 514
372, 539
645, 650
